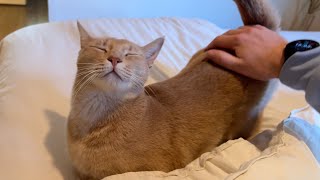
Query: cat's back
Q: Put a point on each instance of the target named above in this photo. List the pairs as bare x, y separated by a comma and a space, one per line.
201, 83
206, 96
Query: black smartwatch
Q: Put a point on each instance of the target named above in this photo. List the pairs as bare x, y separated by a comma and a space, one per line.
299, 46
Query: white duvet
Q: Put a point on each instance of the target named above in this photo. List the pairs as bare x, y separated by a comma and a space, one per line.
38, 66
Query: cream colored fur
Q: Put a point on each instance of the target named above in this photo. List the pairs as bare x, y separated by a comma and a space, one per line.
116, 125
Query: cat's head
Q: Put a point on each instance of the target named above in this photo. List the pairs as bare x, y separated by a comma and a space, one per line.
114, 65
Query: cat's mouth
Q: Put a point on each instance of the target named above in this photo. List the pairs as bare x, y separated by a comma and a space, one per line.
112, 73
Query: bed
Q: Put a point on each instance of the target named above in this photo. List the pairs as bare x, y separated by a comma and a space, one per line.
37, 69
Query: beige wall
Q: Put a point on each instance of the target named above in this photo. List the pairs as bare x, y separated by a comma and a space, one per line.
21, 2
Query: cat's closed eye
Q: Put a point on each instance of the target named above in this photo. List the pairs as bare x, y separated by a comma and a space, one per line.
99, 48
132, 54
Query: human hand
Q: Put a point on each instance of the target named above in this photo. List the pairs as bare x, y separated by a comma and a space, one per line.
253, 51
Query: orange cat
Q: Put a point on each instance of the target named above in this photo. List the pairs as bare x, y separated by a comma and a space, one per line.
116, 125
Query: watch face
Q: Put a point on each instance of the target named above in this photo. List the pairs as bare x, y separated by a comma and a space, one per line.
304, 45
299, 46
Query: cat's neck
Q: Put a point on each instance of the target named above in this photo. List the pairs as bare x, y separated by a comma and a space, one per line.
94, 104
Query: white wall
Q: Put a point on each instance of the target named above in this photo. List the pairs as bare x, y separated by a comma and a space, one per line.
222, 12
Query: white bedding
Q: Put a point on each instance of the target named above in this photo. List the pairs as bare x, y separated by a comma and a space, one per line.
42, 60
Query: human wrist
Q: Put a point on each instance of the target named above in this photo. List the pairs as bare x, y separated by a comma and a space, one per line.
281, 59
299, 68
295, 46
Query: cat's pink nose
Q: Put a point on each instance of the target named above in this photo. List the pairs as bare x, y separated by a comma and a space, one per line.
114, 60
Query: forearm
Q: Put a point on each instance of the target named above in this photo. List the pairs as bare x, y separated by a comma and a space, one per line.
302, 72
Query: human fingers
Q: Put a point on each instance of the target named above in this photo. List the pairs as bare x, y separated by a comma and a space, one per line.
223, 42
234, 31
224, 59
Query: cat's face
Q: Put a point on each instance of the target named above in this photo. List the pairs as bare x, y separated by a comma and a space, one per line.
115, 64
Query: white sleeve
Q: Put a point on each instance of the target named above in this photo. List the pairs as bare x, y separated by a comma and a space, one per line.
302, 72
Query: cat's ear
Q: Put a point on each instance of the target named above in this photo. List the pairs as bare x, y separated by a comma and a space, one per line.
84, 35
152, 50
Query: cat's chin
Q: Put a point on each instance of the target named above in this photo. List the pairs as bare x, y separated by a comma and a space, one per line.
111, 83
112, 76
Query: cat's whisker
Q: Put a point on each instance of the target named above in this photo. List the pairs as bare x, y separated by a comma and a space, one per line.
79, 69
128, 72
86, 82
81, 73
92, 63
137, 77
137, 81
140, 84
137, 84
82, 79
85, 71
127, 69
84, 74
90, 67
